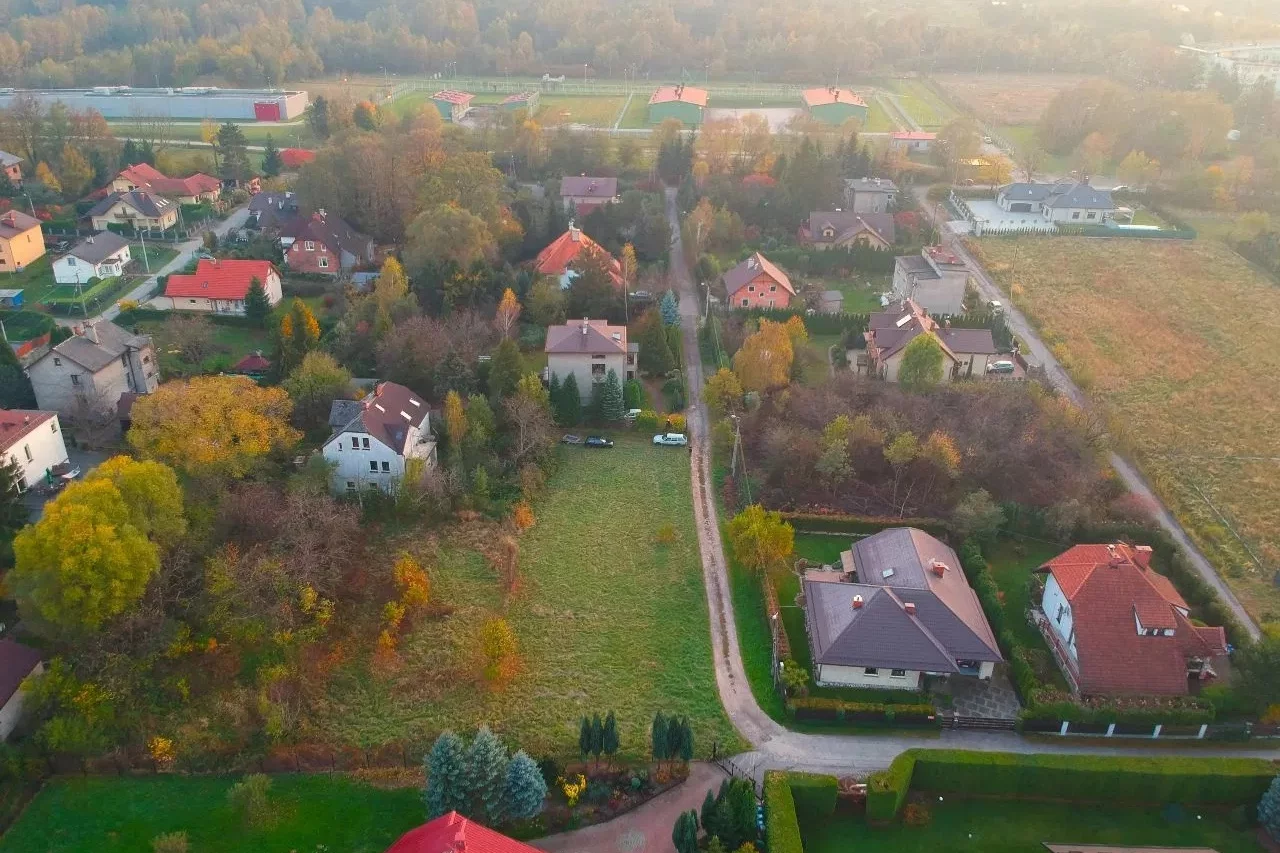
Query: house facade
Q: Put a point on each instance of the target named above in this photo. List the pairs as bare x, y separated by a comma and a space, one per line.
844, 229
833, 105
102, 255
582, 194
17, 662
935, 279
757, 282
870, 195
1064, 202
136, 209
221, 286
912, 141
589, 349
21, 241
324, 244
685, 104
967, 353
557, 259
520, 101
32, 440
375, 438
12, 166
897, 610
1118, 627
193, 189
85, 375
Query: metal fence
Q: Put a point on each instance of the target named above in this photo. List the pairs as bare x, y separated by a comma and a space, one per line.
590, 87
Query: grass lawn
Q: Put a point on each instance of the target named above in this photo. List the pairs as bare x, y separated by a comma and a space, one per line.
1209, 224
1175, 340
601, 111
1145, 216
637, 114
35, 281
818, 370
922, 103
231, 342
293, 134
1004, 826
1012, 563
309, 812
1024, 136
605, 616
879, 121
862, 293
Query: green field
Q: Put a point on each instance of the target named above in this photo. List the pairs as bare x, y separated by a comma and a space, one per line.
606, 617
879, 121
309, 813
1024, 136
296, 134
35, 282
922, 103
637, 114
580, 109
1005, 826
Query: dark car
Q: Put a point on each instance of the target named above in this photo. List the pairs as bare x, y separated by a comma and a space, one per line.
597, 441
61, 246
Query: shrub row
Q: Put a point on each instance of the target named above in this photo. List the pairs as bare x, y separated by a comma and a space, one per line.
817, 324
135, 315
814, 794
1182, 710
822, 708
853, 524
781, 825
887, 789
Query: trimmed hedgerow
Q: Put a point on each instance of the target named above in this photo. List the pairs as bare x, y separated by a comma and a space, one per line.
814, 794
887, 789
781, 826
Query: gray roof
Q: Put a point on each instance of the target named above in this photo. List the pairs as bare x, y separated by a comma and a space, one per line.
99, 247
582, 186
7, 159
16, 663
871, 185
1033, 191
847, 223
1085, 197
140, 200
916, 265
751, 268
113, 342
589, 337
976, 341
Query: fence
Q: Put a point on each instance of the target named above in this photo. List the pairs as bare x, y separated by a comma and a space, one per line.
590, 87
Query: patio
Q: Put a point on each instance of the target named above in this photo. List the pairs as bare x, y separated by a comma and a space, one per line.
990, 217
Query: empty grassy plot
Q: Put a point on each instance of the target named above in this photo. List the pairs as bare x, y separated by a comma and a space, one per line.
593, 111
922, 103
1007, 98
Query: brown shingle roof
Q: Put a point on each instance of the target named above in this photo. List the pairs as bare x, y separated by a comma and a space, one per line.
15, 222
747, 271
589, 337
386, 414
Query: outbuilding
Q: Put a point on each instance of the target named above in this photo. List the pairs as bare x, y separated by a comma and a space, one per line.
833, 105
684, 103
453, 105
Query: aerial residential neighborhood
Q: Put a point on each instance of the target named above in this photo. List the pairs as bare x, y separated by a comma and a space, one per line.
712, 428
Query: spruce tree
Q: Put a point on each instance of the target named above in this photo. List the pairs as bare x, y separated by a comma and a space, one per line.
553, 394
708, 810
446, 771
675, 737
684, 835
611, 743
486, 774
569, 409
257, 307
13, 512
584, 737
669, 306
1269, 810
597, 736
525, 790
656, 358
15, 386
686, 740
612, 405
658, 737
272, 165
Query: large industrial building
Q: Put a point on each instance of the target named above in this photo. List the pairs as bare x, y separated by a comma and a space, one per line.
193, 102
1248, 63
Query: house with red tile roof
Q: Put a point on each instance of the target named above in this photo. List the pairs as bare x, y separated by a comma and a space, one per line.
558, 258
1118, 627
375, 437
757, 283
193, 189
33, 441
966, 353
453, 833
220, 286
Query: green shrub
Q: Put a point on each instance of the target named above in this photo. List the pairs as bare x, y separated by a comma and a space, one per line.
647, 421
814, 795
887, 789
781, 826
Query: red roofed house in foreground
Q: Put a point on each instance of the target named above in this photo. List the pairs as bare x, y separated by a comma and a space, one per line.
758, 283
220, 286
453, 833
192, 190
293, 158
558, 257
1116, 626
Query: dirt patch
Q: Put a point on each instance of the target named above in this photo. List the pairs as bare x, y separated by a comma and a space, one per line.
1007, 98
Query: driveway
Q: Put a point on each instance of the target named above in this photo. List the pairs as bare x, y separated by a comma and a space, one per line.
85, 460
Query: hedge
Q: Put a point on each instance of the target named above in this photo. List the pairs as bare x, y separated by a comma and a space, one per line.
817, 324
814, 794
781, 826
887, 789
1187, 712
841, 523
814, 708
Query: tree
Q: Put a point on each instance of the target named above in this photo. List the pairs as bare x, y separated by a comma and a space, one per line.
764, 361
318, 117
13, 512
299, 334
446, 772
525, 791
504, 319
272, 165
1258, 667
978, 515
455, 422
498, 646
632, 394
670, 309
46, 178
505, 369
658, 737
257, 308
1269, 810
547, 302
629, 265
612, 406
212, 425
392, 286
447, 233
527, 414
685, 833
708, 809
233, 149
656, 358
609, 738
84, 562
313, 386
152, 496
597, 736
75, 174
366, 116
569, 406
481, 425
922, 364
592, 292
15, 386
833, 464
760, 539
1029, 159
250, 797
486, 763
1137, 169
584, 737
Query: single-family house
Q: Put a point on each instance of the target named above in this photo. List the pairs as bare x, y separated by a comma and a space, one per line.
85, 375
757, 282
1064, 202
909, 141
582, 194
844, 229
271, 212
966, 352
558, 258
101, 255
935, 279
589, 349
374, 439
899, 609
1116, 626
685, 104
870, 195
33, 441
833, 105
453, 833
17, 663
140, 210
324, 244
12, 166
21, 241
254, 365
193, 189
453, 105
220, 286
520, 101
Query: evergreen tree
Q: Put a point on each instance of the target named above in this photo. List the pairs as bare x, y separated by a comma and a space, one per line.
128, 153
584, 737
669, 306
675, 737
633, 394
708, 810
658, 737
1269, 810
480, 489
656, 358
486, 775
525, 790
13, 512
684, 835
569, 410
612, 405
257, 307
318, 117
272, 165
553, 393
597, 736
233, 148
686, 740
610, 743
15, 386
446, 771
505, 369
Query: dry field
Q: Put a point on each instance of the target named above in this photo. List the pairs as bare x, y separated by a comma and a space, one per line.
1178, 342
1007, 98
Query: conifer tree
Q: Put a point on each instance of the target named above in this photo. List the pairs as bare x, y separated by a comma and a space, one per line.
486, 775
446, 771
658, 737
612, 405
611, 743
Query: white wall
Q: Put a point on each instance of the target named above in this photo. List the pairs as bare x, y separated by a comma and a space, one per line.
11, 713
562, 364
38, 451
352, 461
856, 676
1053, 604
869, 202
1076, 215
69, 270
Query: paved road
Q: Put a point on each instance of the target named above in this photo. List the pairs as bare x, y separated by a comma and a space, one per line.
1063, 382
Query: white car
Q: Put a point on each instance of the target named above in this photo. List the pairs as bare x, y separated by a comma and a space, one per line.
671, 439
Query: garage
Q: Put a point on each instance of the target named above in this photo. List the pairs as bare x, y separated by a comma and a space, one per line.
1020, 207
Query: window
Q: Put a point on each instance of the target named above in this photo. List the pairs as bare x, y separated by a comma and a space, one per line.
365, 442
373, 467
1062, 609
57, 362
323, 263
309, 246
351, 485
871, 671
339, 446
71, 262
53, 426
75, 379
1075, 215
745, 302
897, 673
386, 467
751, 288
192, 301
773, 288
26, 448
631, 359
1092, 215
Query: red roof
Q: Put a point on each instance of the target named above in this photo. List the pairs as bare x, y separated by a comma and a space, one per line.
751, 269
453, 97
1109, 586
453, 833
220, 279
681, 93
254, 362
561, 252
824, 95
16, 424
292, 158
145, 176
915, 136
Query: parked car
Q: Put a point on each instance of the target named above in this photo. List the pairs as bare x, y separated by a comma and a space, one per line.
1000, 367
598, 441
202, 255
631, 414
61, 246
671, 439
571, 439
995, 306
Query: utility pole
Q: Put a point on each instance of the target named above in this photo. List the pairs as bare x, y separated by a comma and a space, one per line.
737, 446
145, 260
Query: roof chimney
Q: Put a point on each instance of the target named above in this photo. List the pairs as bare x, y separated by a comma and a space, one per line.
585, 324
1142, 555
910, 607
939, 567
857, 602
91, 331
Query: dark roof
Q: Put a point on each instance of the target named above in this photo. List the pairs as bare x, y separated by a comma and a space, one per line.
113, 342
16, 663
333, 231
1033, 191
386, 414
147, 204
592, 337
847, 224
15, 222
7, 159
747, 271
976, 341
99, 247
586, 186
916, 265
871, 185
1061, 194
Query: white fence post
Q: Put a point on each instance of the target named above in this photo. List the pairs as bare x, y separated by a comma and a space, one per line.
1156, 733
1065, 726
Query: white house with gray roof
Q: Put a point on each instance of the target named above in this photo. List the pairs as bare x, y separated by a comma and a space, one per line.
101, 255
85, 375
1064, 202
375, 438
898, 609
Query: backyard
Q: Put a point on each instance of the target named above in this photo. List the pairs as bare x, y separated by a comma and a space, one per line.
1186, 374
229, 345
861, 293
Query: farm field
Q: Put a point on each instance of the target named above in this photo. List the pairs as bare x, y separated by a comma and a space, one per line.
310, 812
606, 618
922, 103
1007, 98
1174, 340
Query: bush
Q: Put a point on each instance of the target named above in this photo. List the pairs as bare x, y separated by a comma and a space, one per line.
676, 423
887, 789
647, 421
916, 814
249, 798
781, 826
814, 794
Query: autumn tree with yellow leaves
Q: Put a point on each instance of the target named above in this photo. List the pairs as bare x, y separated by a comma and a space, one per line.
764, 361
504, 320
299, 334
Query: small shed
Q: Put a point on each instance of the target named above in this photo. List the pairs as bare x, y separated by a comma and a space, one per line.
254, 365
832, 302
520, 101
452, 104
10, 298
683, 103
